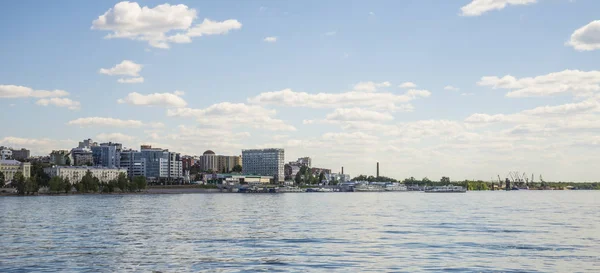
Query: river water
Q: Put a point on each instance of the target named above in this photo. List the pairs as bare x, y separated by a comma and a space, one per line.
526, 231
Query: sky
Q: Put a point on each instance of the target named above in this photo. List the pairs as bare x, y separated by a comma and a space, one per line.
469, 89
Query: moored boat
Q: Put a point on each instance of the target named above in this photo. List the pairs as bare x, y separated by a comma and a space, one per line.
447, 189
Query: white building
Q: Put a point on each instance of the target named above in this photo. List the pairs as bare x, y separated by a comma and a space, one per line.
10, 167
264, 162
75, 173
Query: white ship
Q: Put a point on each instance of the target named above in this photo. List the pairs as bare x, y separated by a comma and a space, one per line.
449, 189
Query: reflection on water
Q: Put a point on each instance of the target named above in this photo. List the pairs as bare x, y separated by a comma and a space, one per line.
346, 232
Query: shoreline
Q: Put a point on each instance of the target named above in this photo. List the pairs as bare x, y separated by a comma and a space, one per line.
192, 190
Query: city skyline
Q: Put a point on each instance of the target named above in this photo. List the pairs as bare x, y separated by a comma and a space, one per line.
469, 90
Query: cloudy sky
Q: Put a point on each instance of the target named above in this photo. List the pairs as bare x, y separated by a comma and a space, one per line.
468, 89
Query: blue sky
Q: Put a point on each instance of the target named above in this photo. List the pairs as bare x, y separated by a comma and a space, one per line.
221, 87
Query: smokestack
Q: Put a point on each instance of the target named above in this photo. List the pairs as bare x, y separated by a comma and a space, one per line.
377, 169
342, 169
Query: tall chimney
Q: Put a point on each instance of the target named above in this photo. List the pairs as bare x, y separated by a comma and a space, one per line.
377, 169
342, 169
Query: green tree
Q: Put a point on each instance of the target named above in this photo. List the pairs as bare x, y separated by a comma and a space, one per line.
122, 182
37, 169
87, 183
67, 187
68, 161
321, 177
2, 182
31, 185
140, 182
298, 178
425, 180
445, 179
132, 186
237, 169
56, 184
19, 182
111, 185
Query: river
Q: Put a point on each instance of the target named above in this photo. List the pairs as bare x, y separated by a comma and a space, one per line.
525, 231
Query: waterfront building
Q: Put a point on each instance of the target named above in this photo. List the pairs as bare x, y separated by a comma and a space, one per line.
160, 163
9, 167
75, 173
133, 162
226, 163
82, 157
209, 161
264, 162
187, 162
106, 154
218, 163
61, 158
293, 167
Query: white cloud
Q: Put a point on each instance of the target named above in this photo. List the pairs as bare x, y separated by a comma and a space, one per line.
587, 37
16, 91
479, 7
115, 137
370, 86
155, 99
550, 115
330, 33
270, 39
209, 27
451, 88
358, 114
112, 122
131, 80
60, 102
41, 146
131, 21
238, 114
407, 85
126, 67
376, 100
580, 83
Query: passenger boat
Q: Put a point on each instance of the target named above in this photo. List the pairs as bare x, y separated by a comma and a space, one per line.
290, 189
447, 189
394, 187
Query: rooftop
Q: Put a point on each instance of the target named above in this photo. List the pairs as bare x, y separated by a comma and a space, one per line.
10, 162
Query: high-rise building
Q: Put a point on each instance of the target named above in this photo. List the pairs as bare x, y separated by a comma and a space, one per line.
82, 157
160, 163
87, 143
209, 161
21, 154
304, 161
107, 154
61, 158
133, 162
264, 162
218, 163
